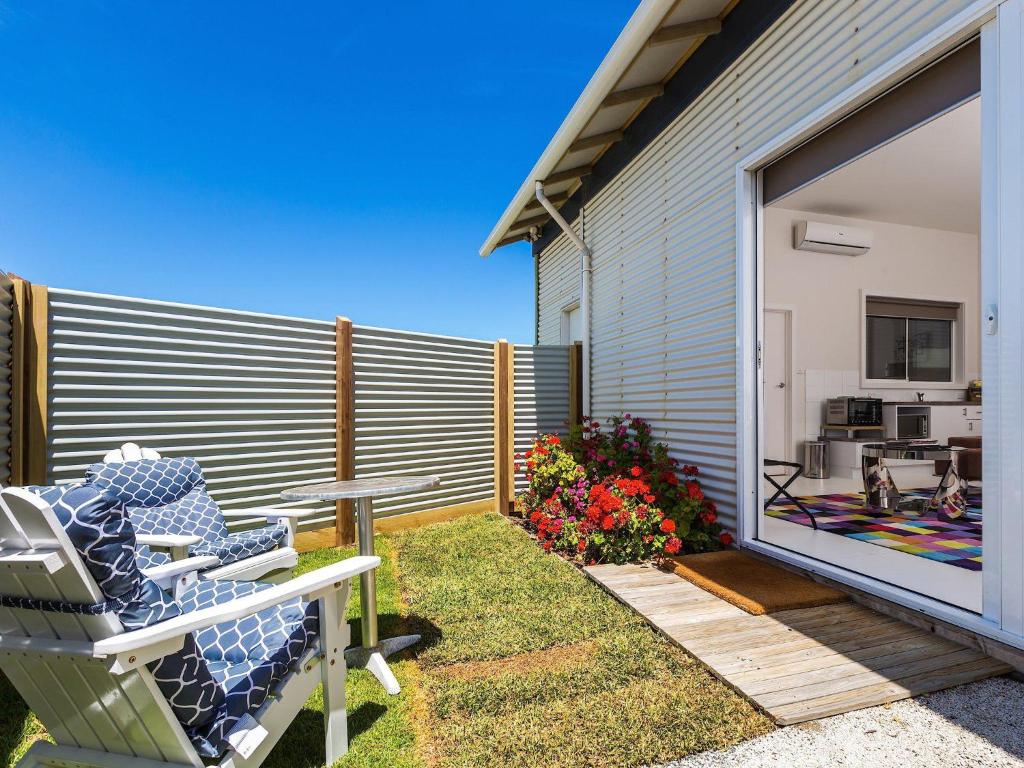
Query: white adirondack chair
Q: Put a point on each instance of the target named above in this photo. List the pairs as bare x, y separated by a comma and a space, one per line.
88, 679
274, 565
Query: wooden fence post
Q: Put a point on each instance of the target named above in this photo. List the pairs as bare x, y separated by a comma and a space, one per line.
33, 386
20, 290
344, 523
504, 427
576, 384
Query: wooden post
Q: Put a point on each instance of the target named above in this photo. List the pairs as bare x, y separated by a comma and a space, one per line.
576, 384
20, 322
504, 425
35, 416
344, 522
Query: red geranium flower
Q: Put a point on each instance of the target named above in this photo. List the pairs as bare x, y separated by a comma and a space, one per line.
554, 440
547, 546
649, 498
726, 538
673, 545
636, 471
608, 522
693, 489
668, 525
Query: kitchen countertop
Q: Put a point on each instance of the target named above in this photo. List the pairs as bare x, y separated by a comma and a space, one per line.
960, 403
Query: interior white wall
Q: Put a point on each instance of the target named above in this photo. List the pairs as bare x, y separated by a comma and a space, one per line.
824, 293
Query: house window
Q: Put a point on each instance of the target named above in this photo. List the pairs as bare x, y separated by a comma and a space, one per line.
911, 341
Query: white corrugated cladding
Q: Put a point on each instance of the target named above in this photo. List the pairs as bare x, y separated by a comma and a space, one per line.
559, 286
541, 385
6, 336
663, 231
251, 396
424, 404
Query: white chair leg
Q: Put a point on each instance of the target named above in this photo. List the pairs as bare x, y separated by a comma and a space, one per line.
378, 666
334, 636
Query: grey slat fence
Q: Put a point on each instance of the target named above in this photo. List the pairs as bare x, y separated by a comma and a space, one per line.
254, 397
541, 386
424, 404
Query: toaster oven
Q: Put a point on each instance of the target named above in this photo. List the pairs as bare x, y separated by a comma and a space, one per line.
855, 411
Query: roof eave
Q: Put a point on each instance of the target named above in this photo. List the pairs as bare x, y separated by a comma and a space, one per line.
641, 25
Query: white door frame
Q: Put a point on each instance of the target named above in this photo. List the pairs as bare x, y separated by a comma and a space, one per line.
1002, 26
787, 312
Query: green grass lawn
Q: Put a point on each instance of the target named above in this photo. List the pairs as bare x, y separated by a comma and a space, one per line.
524, 663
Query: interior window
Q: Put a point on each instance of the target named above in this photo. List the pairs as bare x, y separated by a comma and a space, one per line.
929, 350
909, 348
887, 347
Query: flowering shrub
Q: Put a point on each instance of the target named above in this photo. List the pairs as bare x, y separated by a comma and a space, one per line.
615, 495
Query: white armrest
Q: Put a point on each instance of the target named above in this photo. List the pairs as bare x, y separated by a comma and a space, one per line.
167, 574
269, 512
311, 584
167, 540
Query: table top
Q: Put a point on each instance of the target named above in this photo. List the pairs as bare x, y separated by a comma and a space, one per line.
919, 451
360, 489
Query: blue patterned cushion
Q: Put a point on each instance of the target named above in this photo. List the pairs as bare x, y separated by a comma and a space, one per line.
244, 544
169, 496
223, 672
248, 657
163, 496
103, 536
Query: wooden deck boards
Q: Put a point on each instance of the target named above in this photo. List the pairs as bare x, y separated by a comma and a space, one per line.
803, 664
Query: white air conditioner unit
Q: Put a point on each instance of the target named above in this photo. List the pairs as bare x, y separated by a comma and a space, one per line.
831, 238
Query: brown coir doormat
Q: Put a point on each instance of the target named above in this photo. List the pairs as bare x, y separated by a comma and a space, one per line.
753, 585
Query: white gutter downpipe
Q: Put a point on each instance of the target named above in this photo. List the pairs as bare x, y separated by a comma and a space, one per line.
585, 271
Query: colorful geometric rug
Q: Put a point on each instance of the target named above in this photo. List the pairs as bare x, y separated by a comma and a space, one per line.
954, 542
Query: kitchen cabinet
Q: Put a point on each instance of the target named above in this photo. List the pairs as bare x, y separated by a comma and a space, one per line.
955, 420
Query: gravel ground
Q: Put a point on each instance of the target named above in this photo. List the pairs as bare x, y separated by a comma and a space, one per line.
981, 724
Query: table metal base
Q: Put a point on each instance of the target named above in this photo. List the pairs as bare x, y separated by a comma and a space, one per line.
373, 659
949, 500
372, 651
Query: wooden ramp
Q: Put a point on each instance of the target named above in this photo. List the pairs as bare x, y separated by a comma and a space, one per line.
802, 664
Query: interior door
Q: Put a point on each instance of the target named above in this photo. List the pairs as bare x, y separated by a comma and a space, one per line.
775, 370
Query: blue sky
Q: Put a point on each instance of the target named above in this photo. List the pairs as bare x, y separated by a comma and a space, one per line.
337, 158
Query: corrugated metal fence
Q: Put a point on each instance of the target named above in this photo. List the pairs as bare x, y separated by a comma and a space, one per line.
424, 404
254, 398
541, 376
251, 396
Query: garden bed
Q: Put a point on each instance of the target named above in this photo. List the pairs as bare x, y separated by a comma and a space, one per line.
613, 494
524, 663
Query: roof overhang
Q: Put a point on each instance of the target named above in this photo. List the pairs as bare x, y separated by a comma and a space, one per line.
654, 44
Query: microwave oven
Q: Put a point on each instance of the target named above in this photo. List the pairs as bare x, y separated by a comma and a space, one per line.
855, 411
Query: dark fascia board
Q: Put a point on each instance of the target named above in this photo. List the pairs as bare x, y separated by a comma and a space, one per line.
744, 24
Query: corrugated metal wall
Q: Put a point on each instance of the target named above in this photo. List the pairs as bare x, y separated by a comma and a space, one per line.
251, 396
6, 337
559, 287
663, 232
541, 386
424, 404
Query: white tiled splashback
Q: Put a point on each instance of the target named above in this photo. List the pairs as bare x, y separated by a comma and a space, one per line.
820, 385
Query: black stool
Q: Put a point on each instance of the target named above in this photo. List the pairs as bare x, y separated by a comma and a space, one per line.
781, 490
